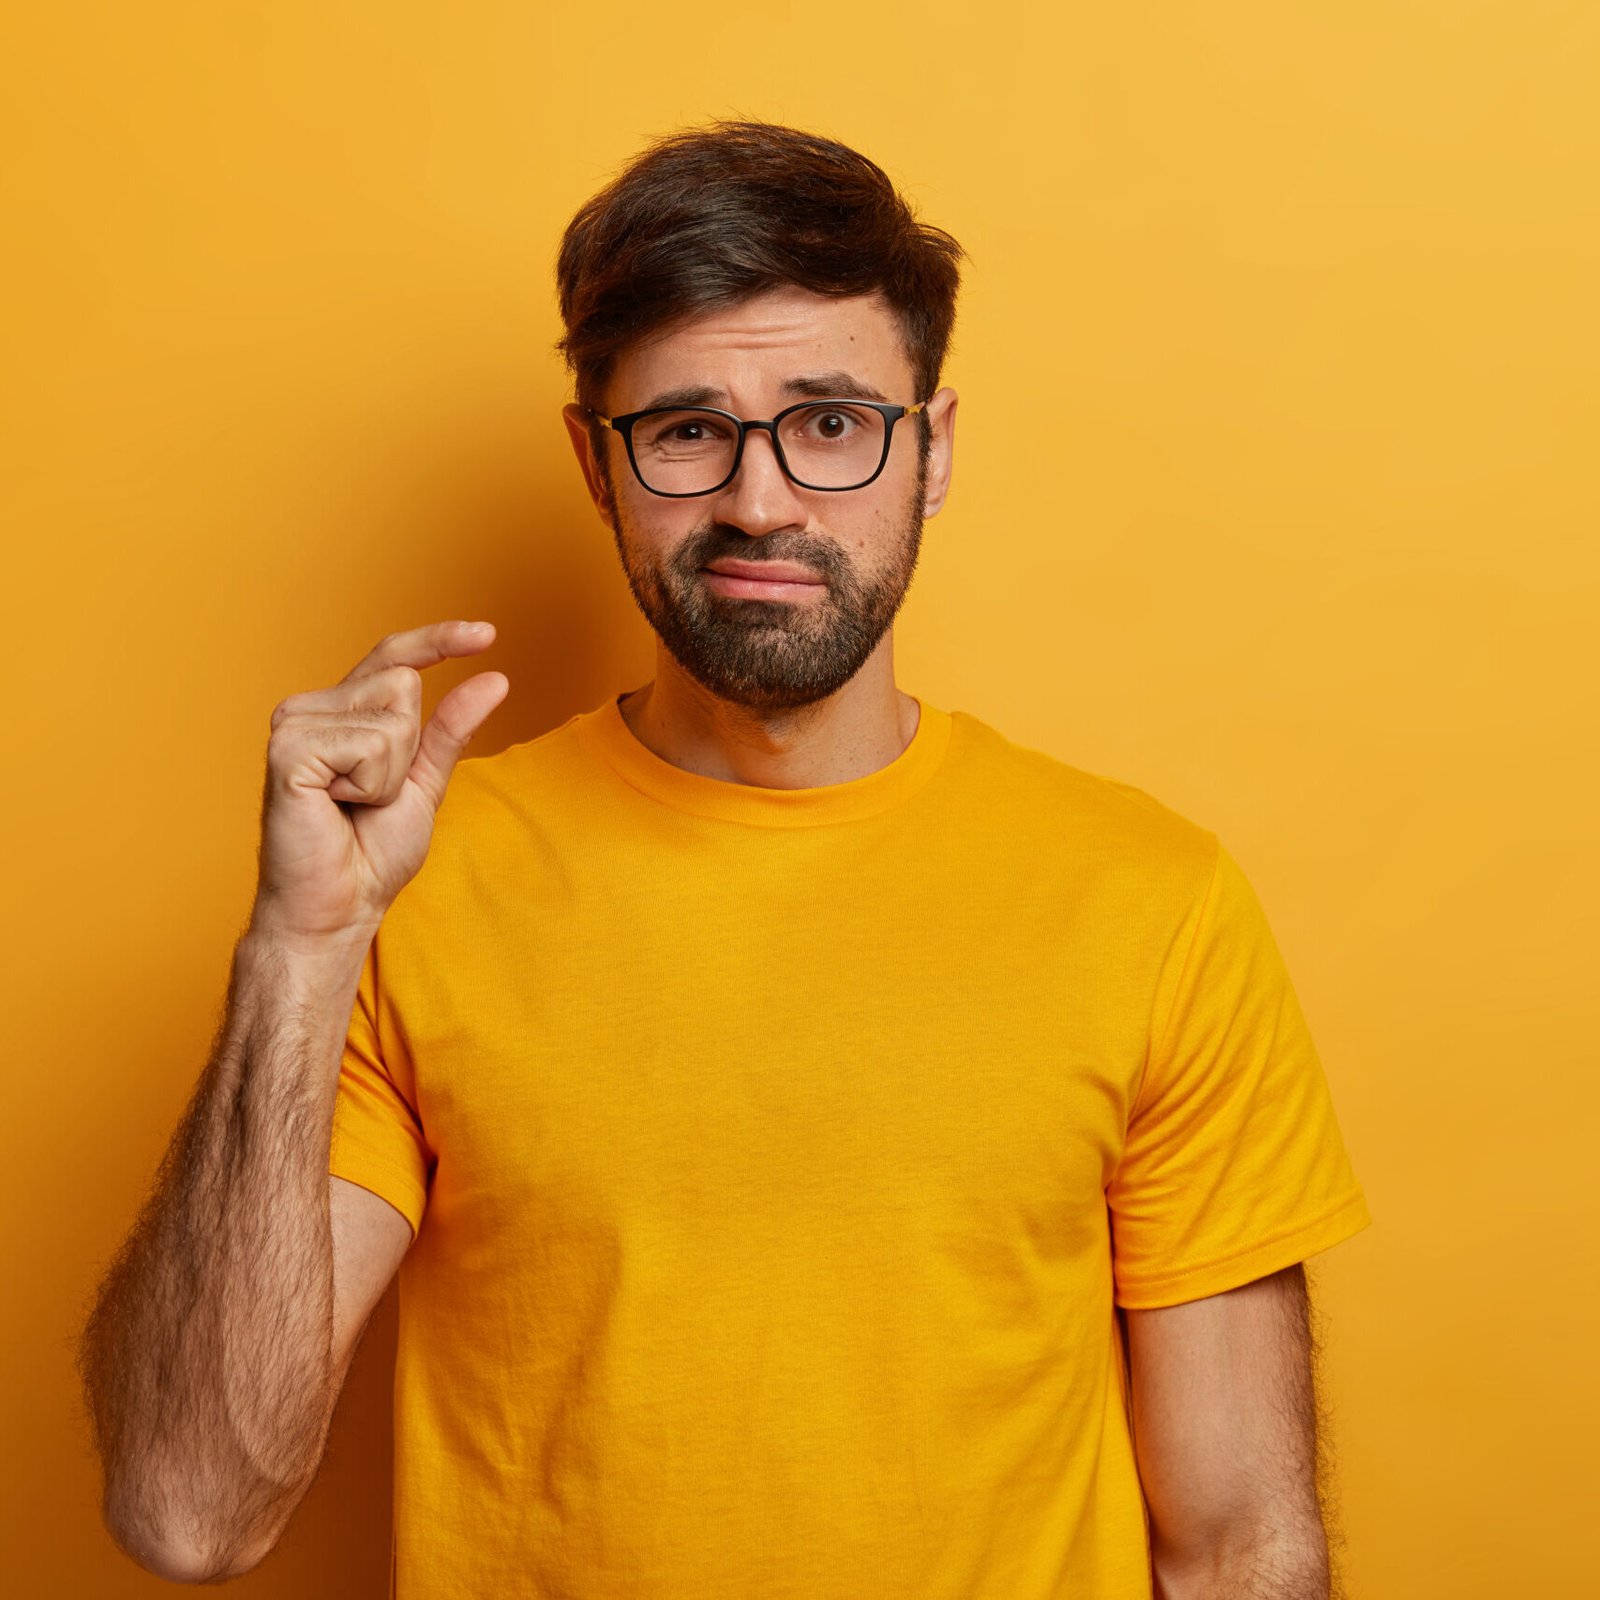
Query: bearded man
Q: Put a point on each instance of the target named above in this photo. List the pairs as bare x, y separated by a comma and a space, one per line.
829, 1151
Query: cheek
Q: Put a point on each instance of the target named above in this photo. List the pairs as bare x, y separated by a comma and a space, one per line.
657, 532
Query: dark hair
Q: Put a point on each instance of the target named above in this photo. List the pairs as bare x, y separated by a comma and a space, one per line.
707, 217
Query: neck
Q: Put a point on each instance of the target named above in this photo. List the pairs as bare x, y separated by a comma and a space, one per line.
854, 732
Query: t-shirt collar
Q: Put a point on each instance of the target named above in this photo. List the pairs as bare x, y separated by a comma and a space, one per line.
609, 735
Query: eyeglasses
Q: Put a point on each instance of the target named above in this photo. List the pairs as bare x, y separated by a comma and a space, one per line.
679, 451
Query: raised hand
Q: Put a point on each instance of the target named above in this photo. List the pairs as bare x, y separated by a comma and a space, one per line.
354, 782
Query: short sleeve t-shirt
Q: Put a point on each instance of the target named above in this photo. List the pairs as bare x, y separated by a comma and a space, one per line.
777, 1159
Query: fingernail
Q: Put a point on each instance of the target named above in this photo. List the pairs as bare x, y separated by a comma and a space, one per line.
478, 627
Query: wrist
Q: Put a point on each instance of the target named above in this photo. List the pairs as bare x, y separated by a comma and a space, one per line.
308, 963
265, 930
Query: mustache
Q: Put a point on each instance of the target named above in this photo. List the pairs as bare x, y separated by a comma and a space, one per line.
718, 540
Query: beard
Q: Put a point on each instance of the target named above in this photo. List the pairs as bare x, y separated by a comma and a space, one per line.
772, 655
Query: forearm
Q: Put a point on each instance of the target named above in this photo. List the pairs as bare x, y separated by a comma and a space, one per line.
207, 1361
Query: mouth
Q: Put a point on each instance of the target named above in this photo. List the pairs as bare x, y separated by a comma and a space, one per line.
761, 580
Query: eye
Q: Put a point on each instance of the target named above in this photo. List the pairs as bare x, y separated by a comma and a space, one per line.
829, 423
681, 431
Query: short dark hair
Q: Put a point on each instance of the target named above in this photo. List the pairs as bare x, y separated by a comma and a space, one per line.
707, 217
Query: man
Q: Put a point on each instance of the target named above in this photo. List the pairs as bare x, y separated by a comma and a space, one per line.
834, 1151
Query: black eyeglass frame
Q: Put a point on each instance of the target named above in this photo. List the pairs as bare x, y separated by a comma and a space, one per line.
625, 423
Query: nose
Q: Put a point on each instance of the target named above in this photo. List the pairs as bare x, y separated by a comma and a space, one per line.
760, 498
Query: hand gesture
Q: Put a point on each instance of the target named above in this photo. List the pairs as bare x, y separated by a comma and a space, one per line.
353, 784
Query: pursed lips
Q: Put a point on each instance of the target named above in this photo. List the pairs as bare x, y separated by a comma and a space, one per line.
764, 571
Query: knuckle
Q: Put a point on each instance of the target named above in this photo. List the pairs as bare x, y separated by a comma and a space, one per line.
407, 683
278, 744
284, 708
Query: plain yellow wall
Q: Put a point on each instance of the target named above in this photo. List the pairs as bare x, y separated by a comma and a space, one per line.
1275, 495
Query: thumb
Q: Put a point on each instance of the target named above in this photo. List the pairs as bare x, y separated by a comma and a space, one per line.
454, 721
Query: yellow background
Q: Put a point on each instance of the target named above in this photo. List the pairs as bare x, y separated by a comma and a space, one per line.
1275, 494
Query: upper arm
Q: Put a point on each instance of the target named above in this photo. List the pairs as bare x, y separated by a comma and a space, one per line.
1225, 1419
370, 1239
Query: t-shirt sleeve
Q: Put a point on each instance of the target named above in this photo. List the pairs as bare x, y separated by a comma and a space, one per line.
1233, 1166
378, 1139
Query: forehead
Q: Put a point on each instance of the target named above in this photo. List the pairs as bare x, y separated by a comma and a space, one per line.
749, 351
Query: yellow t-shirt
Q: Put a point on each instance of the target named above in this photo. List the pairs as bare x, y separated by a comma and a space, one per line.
777, 1158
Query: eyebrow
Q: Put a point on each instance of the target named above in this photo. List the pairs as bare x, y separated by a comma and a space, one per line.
837, 385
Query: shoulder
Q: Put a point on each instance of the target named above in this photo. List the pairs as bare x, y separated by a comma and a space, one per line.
504, 812
1090, 814
532, 770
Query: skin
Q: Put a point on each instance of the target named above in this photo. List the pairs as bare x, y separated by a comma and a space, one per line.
867, 536
1232, 1452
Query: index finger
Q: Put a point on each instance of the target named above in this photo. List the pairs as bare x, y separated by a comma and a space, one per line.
421, 647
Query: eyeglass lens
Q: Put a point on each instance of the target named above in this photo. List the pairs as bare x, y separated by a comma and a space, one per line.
827, 446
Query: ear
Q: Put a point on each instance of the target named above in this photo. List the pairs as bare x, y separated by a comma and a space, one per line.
941, 447
577, 421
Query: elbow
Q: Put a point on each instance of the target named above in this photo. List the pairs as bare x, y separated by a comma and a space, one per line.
179, 1560
176, 1563
1292, 1562
183, 1563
